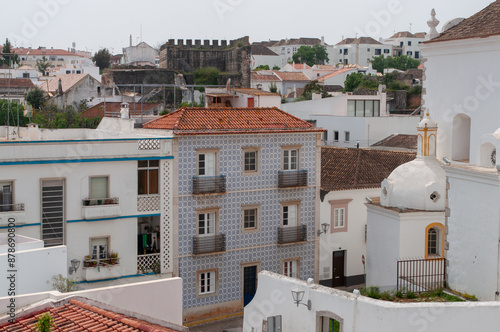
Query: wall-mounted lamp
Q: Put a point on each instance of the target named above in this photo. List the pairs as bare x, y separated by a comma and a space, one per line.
324, 228
446, 161
298, 295
368, 199
75, 264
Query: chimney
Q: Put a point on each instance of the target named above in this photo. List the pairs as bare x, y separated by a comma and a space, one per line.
44, 49
59, 87
52, 49
322, 40
130, 40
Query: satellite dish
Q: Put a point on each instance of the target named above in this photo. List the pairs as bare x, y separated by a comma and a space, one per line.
451, 23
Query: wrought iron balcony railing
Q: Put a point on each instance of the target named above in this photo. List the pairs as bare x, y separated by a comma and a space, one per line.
209, 184
208, 244
292, 234
11, 207
288, 179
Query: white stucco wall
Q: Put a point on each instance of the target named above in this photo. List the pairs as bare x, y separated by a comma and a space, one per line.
352, 241
477, 96
359, 313
262, 60
159, 299
473, 231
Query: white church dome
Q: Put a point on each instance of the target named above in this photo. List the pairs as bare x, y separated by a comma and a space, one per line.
419, 184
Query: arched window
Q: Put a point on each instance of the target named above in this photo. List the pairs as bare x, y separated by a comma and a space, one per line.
434, 241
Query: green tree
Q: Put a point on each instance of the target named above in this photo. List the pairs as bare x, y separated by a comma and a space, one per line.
102, 58
379, 63
273, 88
7, 57
206, 76
42, 65
9, 113
311, 55
402, 62
36, 98
44, 323
64, 285
262, 67
52, 117
276, 67
314, 87
352, 81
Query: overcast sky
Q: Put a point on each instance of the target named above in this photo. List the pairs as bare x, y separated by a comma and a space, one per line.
94, 24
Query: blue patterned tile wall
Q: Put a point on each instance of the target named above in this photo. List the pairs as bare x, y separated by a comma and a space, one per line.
243, 190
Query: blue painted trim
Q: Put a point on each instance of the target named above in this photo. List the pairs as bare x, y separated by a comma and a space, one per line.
114, 218
86, 140
109, 279
24, 225
83, 160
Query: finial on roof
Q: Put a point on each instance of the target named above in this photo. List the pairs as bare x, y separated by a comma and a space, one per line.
432, 23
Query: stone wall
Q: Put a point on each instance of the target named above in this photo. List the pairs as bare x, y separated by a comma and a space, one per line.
232, 59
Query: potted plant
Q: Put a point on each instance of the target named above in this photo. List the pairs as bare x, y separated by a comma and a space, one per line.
88, 262
113, 258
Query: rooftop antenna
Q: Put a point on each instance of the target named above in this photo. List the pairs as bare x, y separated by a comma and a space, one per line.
141, 33
410, 27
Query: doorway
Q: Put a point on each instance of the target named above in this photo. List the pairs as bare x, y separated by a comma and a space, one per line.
338, 268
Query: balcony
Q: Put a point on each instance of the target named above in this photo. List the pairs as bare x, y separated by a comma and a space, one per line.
100, 201
95, 208
101, 269
209, 244
288, 179
149, 263
11, 207
292, 234
209, 184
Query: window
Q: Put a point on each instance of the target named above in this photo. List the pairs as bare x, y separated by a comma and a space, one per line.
99, 248
288, 51
6, 196
206, 223
250, 160
409, 42
339, 221
148, 177
368, 50
282, 50
346, 62
409, 53
290, 159
294, 50
346, 51
347, 136
26, 75
340, 51
336, 135
68, 71
290, 267
434, 241
378, 51
363, 108
417, 55
339, 218
250, 217
207, 282
207, 162
386, 51
290, 214
99, 187
401, 44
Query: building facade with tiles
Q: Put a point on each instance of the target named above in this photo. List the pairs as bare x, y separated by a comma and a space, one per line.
246, 201
105, 194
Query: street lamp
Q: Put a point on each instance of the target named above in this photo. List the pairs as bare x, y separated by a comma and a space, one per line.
75, 263
324, 228
297, 296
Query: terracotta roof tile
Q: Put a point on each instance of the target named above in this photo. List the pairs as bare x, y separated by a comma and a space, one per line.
399, 141
292, 76
335, 73
350, 168
482, 24
360, 40
403, 34
48, 52
114, 108
268, 76
17, 83
210, 121
256, 92
77, 316
420, 34
67, 82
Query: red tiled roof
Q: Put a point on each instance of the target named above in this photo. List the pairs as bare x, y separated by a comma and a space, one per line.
76, 316
292, 76
300, 65
256, 92
210, 121
360, 40
335, 73
114, 107
403, 34
399, 141
480, 25
271, 77
420, 35
17, 83
350, 168
67, 82
48, 52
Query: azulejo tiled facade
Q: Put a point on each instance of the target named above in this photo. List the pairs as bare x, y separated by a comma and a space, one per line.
261, 190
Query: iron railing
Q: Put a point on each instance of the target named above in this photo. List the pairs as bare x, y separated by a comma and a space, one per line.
292, 179
94, 262
11, 207
100, 201
421, 275
208, 244
209, 184
292, 234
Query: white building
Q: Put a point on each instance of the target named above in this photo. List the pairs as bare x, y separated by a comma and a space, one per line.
105, 194
359, 51
406, 43
348, 176
141, 54
262, 56
350, 119
468, 120
241, 97
286, 48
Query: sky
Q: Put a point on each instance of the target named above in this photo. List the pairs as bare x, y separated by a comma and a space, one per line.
96, 24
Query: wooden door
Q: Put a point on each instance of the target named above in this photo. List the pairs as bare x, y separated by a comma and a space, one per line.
338, 268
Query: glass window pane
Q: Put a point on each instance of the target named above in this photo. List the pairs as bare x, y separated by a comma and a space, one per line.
351, 107
369, 108
142, 181
376, 108
153, 181
154, 163
360, 108
99, 187
143, 163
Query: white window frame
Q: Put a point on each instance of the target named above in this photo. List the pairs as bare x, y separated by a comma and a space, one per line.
207, 276
290, 267
215, 165
339, 207
255, 150
255, 208
289, 207
8, 203
210, 229
148, 168
339, 217
99, 253
286, 155
347, 136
